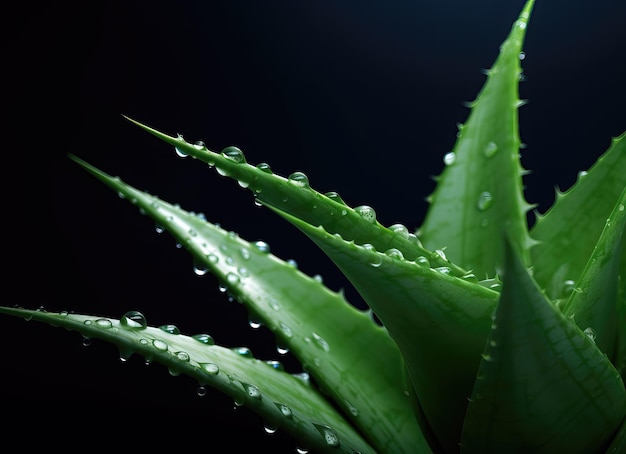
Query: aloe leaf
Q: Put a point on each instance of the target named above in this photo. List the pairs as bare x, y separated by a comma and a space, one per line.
306, 317
569, 230
543, 385
285, 401
593, 305
480, 189
294, 195
440, 322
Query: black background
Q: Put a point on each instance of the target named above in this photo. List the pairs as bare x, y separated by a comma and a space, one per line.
364, 97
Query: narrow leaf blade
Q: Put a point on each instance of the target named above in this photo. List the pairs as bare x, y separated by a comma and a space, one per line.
480, 190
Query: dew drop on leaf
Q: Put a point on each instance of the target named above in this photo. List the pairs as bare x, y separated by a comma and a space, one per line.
299, 179
330, 437
335, 196
367, 213
133, 320
491, 149
449, 158
394, 254
591, 334
180, 152
485, 201
206, 339
262, 246
172, 329
400, 230
210, 368
234, 154
284, 410
201, 391
160, 345
422, 261
264, 167
321, 342
104, 323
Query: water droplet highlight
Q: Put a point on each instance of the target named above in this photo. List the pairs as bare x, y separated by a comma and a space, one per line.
367, 213
449, 158
485, 201
299, 179
234, 154
491, 149
133, 320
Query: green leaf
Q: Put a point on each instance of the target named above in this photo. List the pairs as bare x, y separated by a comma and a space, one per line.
440, 322
568, 232
543, 386
313, 322
593, 305
480, 189
285, 401
294, 195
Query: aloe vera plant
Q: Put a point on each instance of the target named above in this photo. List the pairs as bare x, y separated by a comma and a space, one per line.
480, 335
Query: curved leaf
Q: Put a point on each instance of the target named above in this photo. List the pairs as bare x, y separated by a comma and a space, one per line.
294, 195
567, 233
284, 401
593, 305
313, 322
543, 385
440, 322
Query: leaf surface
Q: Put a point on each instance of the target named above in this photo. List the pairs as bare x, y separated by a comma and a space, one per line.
336, 343
285, 401
480, 190
543, 386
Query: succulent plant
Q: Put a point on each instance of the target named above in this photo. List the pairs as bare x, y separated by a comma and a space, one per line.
480, 333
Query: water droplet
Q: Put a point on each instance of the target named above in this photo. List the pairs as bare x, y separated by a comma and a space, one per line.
275, 364
485, 201
400, 230
262, 246
210, 368
332, 195
86, 341
172, 329
321, 342
199, 268
443, 269
422, 261
330, 437
232, 279
252, 391
621, 207
160, 345
244, 351
159, 227
201, 391
367, 213
265, 167
285, 329
449, 158
299, 179
376, 260
284, 410
394, 254
491, 149
234, 154
104, 323
133, 320
439, 254
269, 429
522, 55
591, 334
180, 152
182, 356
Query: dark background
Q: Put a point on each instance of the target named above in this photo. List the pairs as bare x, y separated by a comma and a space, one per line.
362, 96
